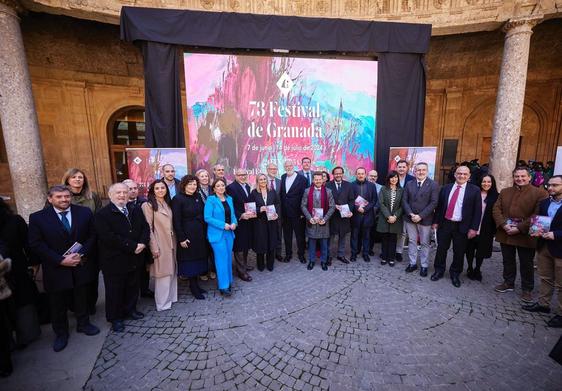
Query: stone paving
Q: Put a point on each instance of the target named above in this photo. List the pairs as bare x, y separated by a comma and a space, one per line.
361, 326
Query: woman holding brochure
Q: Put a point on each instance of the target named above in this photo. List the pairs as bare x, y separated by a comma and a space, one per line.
221, 223
265, 226
389, 223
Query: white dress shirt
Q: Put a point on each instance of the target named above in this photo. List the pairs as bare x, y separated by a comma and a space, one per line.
68, 215
289, 181
457, 212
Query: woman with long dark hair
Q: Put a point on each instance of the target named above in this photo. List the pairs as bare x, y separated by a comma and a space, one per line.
480, 247
189, 223
389, 223
158, 213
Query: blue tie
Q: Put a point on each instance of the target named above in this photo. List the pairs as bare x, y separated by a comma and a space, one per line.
65, 221
125, 212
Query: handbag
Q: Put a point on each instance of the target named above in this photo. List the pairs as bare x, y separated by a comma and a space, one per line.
556, 352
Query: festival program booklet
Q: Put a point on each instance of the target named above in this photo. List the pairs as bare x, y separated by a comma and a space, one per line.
539, 225
318, 213
73, 249
514, 221
250, 207
270, 212
344, 210
360, 201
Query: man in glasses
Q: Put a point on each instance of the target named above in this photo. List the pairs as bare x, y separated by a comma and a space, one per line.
550, 253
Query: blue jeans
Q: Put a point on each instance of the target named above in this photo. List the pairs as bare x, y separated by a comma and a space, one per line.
323, 249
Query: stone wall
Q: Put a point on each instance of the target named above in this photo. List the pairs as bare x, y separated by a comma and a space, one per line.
82, 74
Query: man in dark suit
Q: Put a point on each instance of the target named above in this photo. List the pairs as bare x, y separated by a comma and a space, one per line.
457, 218
402, 168
169, 176
550, 253
419, 202
66, 274
240, 191
363, 215
134, 202
275, 183
340, 223
123, 234
293, 186
305, 172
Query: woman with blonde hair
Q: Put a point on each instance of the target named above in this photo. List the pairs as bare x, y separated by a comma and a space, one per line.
158, 214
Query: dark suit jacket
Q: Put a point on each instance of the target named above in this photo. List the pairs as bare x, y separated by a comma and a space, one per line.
138, 202
368, 191
291, 201
301, 172
471, 207
421, 201
48, 240
243, 238
118, 237
339, 225
554, 246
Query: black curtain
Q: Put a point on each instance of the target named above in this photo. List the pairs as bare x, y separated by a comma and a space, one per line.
400, 48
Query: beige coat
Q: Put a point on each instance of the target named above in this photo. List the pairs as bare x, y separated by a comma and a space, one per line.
162, 239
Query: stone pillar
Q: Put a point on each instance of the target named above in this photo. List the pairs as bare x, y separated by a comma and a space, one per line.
18, 116
511, 95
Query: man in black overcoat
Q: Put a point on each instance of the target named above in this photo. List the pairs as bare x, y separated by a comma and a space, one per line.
340, 224
363, 216
123, 234
66, 274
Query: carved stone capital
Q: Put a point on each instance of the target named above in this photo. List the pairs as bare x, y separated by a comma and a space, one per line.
521, 25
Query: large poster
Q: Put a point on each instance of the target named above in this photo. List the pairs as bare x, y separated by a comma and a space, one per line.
145, 164
413, 155
246, 111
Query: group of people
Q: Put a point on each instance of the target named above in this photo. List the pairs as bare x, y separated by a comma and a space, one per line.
202, 227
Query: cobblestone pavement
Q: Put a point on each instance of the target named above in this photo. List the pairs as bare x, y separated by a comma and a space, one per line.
361, 326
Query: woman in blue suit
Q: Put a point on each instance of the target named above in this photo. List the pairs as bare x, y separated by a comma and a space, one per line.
221, 223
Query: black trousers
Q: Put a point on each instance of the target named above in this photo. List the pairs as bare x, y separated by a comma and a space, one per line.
144, 279
296, 225
388, 246
526, 256
266, 259
449, 231
5, 336
93, 293
121, 295
471, 246
58, 304
360, 239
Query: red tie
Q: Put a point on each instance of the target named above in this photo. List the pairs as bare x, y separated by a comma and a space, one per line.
452, 203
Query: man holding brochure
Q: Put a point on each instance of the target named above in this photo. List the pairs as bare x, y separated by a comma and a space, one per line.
340, 224
61, 236
365, 198
549, 233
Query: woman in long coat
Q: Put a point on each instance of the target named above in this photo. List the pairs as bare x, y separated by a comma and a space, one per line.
481, 245
189, 223
389, 223
265, 230
158, 214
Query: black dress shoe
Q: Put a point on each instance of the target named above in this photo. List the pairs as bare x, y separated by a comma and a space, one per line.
366, 258
353, 258
329, 262
372, 253
245, 277
343, 260
60, 342
135, 315
391, 263
456, 281
117, 326
88, 329
147, 294
477, 275
536, 307
423, 272
470, 273
286, 260
398, 257
324, 266
202, 290
411, 268
436, 276
555, 322
302, 259
310, 265
383, 262
279, 258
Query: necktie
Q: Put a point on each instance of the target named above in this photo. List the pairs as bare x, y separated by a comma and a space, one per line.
247, 189
308, 178
65, 221
419, 185
337, 187
125, 211
272, 185
452, 203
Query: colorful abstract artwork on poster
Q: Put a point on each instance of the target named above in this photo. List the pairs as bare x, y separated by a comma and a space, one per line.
145, 164
246, 111
413, 155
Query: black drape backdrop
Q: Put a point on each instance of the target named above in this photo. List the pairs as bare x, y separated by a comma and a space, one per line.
399, 46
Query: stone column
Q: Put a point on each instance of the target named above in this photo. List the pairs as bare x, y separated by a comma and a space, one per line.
511, 95
18, 116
